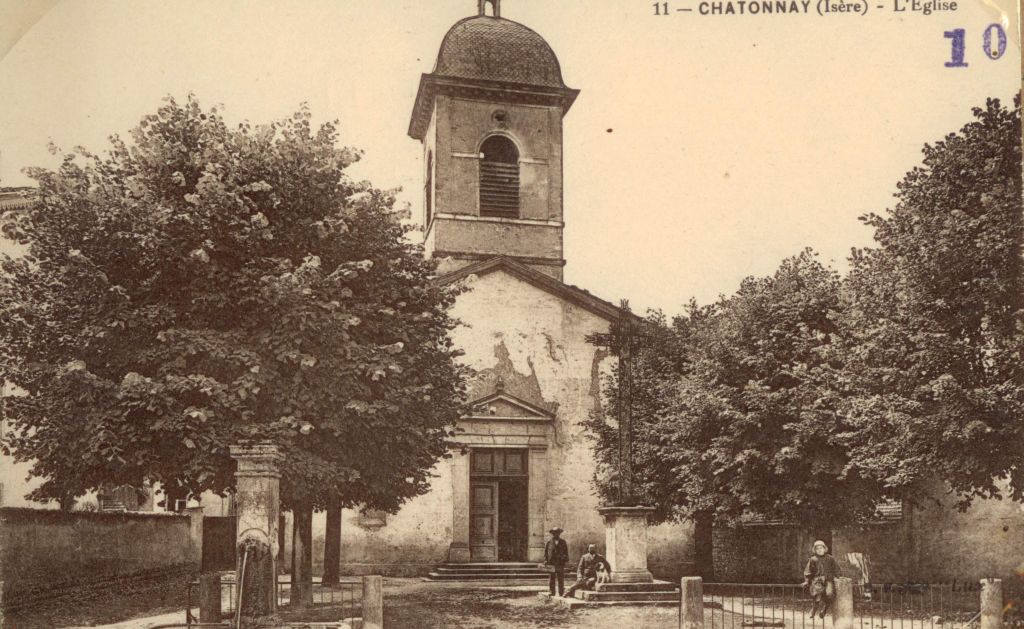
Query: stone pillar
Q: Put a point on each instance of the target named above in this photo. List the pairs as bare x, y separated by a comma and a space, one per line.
209, 597
538, 498
373, 602
991, 604
691, 603
842, 608
459, 550
195, 534
625, 530
257, 496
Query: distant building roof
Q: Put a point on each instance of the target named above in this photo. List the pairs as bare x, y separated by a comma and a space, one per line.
885, 511
17, 198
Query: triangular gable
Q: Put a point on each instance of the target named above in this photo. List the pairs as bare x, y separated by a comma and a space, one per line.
578, 296
501, 405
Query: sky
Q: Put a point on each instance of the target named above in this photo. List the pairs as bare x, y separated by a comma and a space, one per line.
702, 149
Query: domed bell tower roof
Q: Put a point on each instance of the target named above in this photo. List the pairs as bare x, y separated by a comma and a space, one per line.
491, 56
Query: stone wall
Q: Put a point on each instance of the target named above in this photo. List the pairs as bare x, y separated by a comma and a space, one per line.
759, 554
932, 543
44, 554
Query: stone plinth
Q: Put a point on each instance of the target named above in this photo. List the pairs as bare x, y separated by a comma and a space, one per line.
626, 543
257, 500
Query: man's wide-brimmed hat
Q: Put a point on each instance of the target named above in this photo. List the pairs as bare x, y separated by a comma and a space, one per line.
557, 529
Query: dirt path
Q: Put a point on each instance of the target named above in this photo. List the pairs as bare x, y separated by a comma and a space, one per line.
414, 604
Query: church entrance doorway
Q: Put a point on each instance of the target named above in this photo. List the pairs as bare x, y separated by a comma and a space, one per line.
498, 510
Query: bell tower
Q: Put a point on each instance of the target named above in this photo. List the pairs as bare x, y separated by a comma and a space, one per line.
490, 120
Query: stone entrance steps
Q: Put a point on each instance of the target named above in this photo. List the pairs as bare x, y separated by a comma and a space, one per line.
658, 593
497, 571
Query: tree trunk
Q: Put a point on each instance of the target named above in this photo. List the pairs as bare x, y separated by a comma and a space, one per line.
332, 544
282, 524
704, 555
302, 557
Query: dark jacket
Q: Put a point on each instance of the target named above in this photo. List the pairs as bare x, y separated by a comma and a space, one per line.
556, 552
588, 566
820, 575
823, 567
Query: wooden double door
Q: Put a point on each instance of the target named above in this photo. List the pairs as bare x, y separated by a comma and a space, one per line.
498, 505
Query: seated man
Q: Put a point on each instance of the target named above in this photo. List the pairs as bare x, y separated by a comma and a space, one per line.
586, 571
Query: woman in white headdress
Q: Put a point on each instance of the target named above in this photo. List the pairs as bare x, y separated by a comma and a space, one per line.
820, 578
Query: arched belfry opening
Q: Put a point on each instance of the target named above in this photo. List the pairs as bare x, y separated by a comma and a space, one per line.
499, 178
495, 7
489, 117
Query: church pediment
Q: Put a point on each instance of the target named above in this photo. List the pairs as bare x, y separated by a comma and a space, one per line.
568, 292
501, 405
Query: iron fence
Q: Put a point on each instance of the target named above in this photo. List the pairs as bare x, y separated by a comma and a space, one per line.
915, 606
746, 605
887, 606
346, 595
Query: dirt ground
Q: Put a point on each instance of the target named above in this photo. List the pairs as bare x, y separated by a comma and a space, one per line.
415, 604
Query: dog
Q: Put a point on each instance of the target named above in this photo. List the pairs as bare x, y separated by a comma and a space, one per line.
602, 575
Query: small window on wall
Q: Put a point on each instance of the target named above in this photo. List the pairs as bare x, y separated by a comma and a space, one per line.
499, 178
428, 191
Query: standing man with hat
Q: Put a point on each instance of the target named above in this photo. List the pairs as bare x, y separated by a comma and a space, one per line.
556, 555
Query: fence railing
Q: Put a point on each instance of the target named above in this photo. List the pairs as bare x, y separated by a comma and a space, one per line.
346, 596
889, 606
915, 606
744, 605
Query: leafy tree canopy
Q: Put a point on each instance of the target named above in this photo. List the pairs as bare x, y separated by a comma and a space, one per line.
734, 414
934, 322
809, 397
207, 284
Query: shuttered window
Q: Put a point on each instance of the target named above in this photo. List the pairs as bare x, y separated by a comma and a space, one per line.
499, 178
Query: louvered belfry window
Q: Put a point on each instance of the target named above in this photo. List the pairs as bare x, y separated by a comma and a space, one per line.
499, 178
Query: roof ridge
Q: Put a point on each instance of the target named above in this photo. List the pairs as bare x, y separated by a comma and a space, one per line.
581, 297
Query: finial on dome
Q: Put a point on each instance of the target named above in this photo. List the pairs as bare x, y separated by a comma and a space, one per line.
495, 7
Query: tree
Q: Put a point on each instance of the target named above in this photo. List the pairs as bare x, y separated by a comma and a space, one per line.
934, 320
808, 398
211, 284
735, 412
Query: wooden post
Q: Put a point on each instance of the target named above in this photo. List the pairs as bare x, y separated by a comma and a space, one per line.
991, 604
842, 607
691, 603
209, 597
373, 602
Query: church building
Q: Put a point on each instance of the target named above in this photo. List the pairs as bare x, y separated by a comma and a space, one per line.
490, 118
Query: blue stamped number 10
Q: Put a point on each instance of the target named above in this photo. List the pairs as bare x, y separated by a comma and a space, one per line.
958, 36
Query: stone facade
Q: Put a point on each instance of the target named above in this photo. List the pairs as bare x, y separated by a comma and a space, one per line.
534, 352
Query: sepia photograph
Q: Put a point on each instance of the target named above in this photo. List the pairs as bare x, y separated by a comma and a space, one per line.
511, 314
